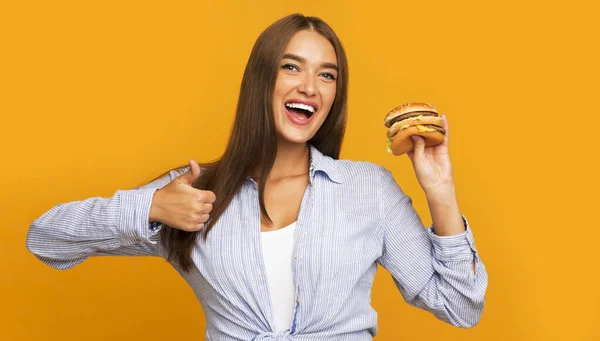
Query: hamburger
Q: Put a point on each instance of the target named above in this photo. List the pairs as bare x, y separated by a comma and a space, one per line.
413, 119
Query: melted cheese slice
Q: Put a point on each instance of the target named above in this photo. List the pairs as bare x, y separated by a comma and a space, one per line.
424, 128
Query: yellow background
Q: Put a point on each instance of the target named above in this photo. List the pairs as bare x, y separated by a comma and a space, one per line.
104, 95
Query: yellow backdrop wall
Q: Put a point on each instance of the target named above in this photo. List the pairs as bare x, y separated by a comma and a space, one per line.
100, 96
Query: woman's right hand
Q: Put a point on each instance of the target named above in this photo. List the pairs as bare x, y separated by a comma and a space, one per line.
180, 205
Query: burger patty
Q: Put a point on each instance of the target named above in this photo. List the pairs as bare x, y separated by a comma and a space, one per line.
438, 128
411, 114
433, 126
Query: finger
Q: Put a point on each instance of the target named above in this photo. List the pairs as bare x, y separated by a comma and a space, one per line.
419, 143
192, 174
445, 126
410, 156
210, 197
203, 218
197, 227
207, 208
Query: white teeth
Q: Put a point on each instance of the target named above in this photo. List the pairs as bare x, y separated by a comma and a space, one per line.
301, 106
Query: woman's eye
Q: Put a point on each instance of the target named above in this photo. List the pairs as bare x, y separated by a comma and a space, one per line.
290, 67
329, 76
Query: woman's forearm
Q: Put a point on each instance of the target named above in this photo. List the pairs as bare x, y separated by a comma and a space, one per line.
445, 214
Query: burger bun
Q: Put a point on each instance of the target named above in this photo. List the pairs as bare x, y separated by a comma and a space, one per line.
403, 143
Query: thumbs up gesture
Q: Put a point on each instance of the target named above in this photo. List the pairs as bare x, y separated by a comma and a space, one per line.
180, 205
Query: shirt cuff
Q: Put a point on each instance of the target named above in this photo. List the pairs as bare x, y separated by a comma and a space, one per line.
458, 247
134, 224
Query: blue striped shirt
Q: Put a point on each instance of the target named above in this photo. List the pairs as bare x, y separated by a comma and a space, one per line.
353, 216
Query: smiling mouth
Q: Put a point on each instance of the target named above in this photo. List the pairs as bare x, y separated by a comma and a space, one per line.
301, 109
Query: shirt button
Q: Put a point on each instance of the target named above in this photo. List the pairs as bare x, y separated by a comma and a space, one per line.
297, 299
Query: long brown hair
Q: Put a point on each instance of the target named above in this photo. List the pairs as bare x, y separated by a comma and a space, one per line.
253, 140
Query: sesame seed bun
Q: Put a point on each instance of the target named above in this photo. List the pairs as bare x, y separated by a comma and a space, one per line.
424, 108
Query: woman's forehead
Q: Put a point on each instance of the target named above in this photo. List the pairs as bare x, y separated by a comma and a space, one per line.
311, 47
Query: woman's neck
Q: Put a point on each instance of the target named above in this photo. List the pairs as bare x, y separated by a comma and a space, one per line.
292, 160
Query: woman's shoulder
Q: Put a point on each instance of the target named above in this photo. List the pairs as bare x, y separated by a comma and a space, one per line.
359, 169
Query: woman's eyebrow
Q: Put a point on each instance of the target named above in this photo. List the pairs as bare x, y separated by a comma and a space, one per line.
303, 60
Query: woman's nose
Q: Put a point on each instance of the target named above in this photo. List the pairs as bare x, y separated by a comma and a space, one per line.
307, 85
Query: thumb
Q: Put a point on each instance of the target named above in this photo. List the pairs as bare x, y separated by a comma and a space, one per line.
419, 143
192, 174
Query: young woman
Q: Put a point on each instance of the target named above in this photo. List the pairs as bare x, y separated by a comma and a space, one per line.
279, 239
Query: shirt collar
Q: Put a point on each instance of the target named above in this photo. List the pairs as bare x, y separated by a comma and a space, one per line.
318, 163
323, 163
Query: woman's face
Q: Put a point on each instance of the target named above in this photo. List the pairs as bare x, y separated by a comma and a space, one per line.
305, 87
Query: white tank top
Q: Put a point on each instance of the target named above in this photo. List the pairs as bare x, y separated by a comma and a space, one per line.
277, 247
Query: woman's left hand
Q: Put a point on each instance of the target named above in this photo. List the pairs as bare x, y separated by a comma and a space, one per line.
432, 164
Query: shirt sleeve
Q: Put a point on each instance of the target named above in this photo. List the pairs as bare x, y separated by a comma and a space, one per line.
431, 272
69, 233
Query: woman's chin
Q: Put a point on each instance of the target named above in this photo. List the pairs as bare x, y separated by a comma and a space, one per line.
293, 139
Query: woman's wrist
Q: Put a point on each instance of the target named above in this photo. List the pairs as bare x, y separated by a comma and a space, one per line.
445, 213
154, 214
